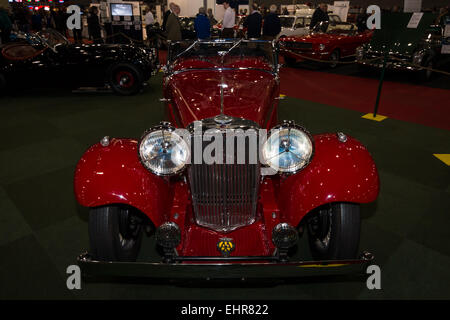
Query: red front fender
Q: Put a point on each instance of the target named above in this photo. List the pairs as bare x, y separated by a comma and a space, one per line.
339, 172
114, 174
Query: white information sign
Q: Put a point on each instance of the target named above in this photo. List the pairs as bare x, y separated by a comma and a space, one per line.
340, 8
446, 41
447, 31
415, 20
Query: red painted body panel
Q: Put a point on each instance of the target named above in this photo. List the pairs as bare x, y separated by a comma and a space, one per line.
345, 44
250, 94
339, 172
113, 174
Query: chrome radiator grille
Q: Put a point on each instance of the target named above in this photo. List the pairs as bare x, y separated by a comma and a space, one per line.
224, 196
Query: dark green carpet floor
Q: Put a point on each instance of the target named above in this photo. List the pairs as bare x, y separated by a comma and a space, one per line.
42, 229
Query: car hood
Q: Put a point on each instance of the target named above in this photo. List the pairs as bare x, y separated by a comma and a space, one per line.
248, 94
315, 38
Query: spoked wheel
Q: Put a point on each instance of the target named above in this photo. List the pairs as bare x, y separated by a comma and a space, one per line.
125, 79
333, 231
334, 59
115, 233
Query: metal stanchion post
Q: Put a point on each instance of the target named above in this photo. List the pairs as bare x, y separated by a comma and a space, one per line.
380, 85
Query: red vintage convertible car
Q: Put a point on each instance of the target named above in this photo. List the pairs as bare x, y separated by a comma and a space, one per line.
224, 187
329, 41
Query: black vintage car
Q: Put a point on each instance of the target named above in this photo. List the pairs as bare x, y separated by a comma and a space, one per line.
407, 46
48, 59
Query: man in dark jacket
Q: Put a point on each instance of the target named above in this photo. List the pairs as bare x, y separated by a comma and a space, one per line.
321, 14
94, 25
5, 25
272, 24
201, 25
166, 16
173, 26
253, 23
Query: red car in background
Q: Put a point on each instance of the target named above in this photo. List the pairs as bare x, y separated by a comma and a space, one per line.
328, 41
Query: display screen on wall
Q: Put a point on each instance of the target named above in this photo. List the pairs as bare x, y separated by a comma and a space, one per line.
121, 9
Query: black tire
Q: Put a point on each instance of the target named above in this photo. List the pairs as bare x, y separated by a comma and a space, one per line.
290, 62
111, 235
334, 59
125, 79
333, 231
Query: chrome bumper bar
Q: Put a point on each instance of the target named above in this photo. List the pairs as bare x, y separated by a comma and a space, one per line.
213, 268
391, 65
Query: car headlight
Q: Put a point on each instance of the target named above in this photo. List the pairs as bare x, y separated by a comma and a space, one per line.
288, 149
162, 151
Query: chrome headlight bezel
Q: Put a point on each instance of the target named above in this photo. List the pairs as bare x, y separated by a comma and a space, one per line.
288, 125
164, 128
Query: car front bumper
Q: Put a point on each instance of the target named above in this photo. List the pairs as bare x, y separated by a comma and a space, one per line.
208, 268
391, 64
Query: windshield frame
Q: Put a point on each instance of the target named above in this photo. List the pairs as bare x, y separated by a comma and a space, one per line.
46, 43
274, 66
318, 27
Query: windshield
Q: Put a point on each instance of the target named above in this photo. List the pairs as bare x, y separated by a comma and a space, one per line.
334, 18
52, 38
335, 27
215, 54
287, 22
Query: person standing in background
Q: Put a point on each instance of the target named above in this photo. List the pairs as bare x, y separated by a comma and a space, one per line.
5, 25
229, 20
173, 26
94, 25
321, 14
272, 24
212, 20
36, 21
166, 16
149, 21
201, 25
253, 23
78, 33
361, 21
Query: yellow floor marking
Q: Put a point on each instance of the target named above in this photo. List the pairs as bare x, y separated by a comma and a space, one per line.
371, 117
445, 158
